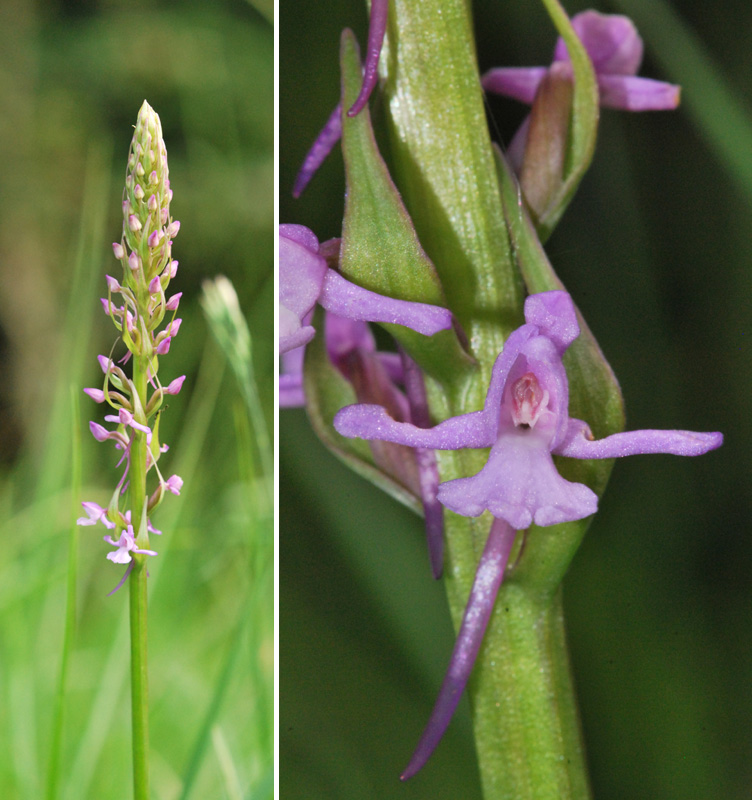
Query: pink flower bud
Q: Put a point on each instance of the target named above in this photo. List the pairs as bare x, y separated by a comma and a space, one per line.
163, 214
105, 363
97, 395
171, 270
118, 250
152, 204
172, 303
140, 169
134, 262
112, 284
138, 192
175, 386
154, 238
153, 178
134, 223
155, 286
175, 326
163, 348
99, 432
173, 228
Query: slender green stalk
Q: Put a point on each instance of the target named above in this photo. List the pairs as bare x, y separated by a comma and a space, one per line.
138, 601
139, 681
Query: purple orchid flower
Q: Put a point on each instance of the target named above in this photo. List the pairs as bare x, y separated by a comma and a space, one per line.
331, 133
305, 279
615, 48
352, 349
125, 545
524, 421
94, 513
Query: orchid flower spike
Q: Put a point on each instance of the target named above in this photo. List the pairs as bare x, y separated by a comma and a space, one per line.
615, 48
305, 278
525, 420
332, 130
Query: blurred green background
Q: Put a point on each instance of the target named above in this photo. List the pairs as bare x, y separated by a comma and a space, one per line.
72, 78
657, 252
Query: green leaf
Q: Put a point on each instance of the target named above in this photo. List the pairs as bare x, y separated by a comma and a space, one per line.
380, 248
584, 122
327, 391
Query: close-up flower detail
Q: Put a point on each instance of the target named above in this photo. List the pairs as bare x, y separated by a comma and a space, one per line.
500, 425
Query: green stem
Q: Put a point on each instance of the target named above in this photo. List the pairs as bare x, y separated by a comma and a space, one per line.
139, 681
525, 717
138, 601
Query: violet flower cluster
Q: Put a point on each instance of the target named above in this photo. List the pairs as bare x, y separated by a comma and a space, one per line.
525, 421
145, 318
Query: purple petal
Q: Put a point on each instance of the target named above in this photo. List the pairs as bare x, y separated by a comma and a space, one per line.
372, 422
303, 236
519, 83
480, 604
520, 484
291, 334
301, 276
555, 316
376, 31
354, 302
291, 393
324, 143
637, 94
580, 444
611, 41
